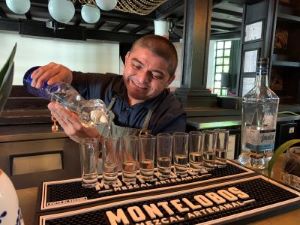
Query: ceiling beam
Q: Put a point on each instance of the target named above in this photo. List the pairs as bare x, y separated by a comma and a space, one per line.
137, 29
231, 22
167, 8
228, 12
119, 26
38, 28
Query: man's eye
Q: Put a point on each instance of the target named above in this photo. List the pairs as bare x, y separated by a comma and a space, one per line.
136, 66
157, 76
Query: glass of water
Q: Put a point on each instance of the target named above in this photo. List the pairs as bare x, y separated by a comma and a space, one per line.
222, 138
209, 149
164, 154
196, 151
147, 144
129, 157
180, 153
111, 159
89, 153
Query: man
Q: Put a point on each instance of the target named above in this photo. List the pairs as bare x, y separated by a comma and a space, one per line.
139, 100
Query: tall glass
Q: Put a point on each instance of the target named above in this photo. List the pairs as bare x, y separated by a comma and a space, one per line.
146, 156
180, 152
196, 151
209, 149
89, 153
130, 159
164, 154
222, 138
111, 159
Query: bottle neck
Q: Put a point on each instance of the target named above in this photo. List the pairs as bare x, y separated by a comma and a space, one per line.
262, 77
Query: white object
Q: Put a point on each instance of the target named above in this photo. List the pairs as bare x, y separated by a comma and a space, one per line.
9, 207
161, 27
18, 6
253, 31
107, 5
90, 13
61, 10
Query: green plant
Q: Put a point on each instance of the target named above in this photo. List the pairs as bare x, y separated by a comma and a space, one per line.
7, 63
281, 149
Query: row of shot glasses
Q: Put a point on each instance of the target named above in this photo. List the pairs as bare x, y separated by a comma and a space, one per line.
137, 156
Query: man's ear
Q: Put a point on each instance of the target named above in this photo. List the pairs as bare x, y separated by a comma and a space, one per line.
171, 79
126, 57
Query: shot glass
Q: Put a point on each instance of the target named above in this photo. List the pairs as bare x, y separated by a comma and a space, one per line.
180, 153
147, 144
129, 157
164, 154
89, 153
111, 159
222, 138
209, 149
196, 151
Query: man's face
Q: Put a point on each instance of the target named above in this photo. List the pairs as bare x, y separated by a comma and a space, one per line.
145, 74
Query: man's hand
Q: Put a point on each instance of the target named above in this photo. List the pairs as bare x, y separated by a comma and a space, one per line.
71, 124
51, 73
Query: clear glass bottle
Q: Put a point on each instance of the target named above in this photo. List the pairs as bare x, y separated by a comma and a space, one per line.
259, 118
91, 112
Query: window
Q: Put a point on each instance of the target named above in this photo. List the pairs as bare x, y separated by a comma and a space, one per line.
222, 56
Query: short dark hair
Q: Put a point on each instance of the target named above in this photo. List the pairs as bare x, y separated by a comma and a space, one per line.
160, 46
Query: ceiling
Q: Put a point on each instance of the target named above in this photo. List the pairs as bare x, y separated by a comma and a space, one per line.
116, 25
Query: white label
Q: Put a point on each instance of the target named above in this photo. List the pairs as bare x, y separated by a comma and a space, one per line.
292, 130
260, 140
250, 60
253, 31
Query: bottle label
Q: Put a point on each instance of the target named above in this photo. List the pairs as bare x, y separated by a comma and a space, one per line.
260, 140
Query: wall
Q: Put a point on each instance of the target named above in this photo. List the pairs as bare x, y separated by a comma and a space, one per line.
86, 56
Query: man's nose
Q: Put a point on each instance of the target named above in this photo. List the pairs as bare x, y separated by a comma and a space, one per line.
144, 77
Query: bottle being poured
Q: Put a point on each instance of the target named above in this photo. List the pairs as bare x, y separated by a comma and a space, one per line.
92, 113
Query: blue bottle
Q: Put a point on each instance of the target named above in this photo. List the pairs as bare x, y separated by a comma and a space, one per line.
35, 91
91, 112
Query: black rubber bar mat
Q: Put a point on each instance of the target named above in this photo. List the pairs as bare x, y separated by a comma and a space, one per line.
69, 193
220, 203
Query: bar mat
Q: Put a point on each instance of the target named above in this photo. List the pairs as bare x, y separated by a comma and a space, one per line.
214, 204
67, 193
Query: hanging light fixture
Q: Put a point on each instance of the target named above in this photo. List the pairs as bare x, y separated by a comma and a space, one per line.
107, 5
90, 13
18, 6
140, 7
161, 27
61, 10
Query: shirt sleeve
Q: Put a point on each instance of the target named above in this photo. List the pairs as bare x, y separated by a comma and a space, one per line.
91, 85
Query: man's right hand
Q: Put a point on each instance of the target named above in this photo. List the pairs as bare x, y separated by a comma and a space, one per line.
51, 73
71, 124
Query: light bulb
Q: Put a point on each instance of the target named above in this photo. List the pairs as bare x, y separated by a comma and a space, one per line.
106, 5
90, 13
18, 6
61, 10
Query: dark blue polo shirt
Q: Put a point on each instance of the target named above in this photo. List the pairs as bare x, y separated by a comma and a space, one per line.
168, 114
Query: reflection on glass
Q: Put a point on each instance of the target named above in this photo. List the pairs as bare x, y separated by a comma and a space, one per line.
227, 52
225, 69
227, 44
219, 61
218, 69
220, 44
217, 84
220, 52
218, 76
226, 61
